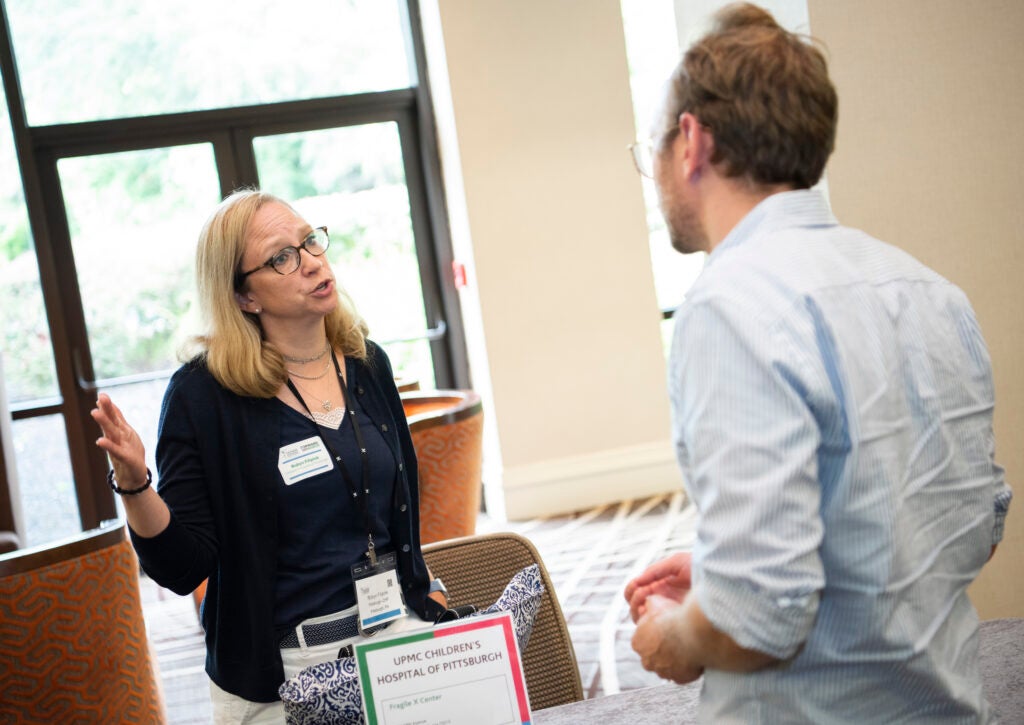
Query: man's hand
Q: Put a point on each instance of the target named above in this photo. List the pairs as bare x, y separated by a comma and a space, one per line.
668, 578
677, 641
660, 640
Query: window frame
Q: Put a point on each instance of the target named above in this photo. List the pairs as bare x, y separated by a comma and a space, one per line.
230, 131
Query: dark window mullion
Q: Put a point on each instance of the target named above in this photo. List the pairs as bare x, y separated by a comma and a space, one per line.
16, 112
426, 252
224, 160
244, 157
128, 134
453, 346
62, 296
39, 182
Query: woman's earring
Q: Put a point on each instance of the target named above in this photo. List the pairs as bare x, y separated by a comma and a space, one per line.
258, 310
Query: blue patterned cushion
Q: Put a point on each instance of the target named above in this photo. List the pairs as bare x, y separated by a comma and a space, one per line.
522, 597
329, 693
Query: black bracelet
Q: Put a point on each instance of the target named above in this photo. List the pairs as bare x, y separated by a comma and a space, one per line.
128, 491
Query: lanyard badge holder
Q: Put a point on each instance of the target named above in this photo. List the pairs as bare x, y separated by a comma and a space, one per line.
378, 591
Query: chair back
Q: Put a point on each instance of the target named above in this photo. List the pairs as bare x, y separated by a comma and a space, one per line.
73, 635
447, 429
476, 569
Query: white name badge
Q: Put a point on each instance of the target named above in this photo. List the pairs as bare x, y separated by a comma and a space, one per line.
466, 672
304, 459
378, 592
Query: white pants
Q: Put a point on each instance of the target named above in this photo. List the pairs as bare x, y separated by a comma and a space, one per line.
231, 709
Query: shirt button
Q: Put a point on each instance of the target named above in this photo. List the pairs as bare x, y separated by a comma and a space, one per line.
384, 427
405, 548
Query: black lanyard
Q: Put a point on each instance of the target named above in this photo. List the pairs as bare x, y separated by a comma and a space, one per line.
362, 501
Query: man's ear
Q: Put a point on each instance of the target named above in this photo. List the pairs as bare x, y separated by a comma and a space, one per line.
700, 145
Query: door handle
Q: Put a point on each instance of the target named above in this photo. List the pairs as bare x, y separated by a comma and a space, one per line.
432, 334
92, 386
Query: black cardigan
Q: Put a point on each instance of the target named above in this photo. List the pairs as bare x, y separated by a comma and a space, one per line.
217, 460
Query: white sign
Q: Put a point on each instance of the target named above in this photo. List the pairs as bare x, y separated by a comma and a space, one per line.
466, 672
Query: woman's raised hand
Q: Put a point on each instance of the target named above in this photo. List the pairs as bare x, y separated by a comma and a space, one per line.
121, 443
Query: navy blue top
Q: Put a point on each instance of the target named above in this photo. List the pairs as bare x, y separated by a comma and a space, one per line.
217, 461
321, 530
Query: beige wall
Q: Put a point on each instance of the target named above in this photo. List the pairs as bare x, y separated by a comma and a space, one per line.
929, 157
552, 216
561, 276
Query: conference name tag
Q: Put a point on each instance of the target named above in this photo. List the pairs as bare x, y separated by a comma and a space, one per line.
304, 459
378, 592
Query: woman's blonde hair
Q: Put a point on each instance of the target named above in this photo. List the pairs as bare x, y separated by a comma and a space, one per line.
236, 353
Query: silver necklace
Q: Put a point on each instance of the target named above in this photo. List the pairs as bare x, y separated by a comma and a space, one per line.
303, 360
325, 404
327, 366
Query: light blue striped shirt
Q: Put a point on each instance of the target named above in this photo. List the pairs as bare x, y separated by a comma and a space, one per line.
832, 412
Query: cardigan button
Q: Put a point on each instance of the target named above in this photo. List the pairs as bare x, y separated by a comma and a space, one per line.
401, 466
384, 427
403, 508
405, 548
359, 390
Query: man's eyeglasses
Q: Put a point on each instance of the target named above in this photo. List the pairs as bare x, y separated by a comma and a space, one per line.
287, 260
643, 157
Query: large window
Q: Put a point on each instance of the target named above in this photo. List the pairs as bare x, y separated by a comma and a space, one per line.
102, 59
128, 123
352, 180
652, 48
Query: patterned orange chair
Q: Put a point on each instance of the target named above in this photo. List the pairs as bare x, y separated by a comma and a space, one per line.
72, 634
447, 433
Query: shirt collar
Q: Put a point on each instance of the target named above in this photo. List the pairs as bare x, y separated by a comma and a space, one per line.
785, 210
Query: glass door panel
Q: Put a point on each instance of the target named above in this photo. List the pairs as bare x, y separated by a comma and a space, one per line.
42, 494
28, 367
134, 219
25, 345
45, 484
352, 180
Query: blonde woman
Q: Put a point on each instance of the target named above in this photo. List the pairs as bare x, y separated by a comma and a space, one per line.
286, 467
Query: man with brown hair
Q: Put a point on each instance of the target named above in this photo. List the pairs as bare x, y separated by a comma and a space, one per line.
832, 408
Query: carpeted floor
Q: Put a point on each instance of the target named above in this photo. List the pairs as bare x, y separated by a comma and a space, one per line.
590, 556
